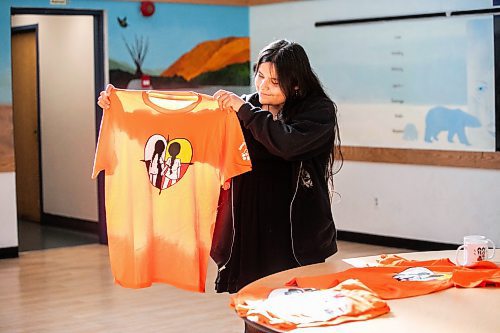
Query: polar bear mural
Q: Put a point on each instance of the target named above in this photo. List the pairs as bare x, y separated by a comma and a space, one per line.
454, 121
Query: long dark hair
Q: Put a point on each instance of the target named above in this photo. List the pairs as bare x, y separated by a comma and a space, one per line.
159, 148
174, 150
298, 81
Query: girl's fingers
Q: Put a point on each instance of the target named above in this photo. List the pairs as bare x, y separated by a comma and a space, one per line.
103, 102
219, 93
109, 87
222, 100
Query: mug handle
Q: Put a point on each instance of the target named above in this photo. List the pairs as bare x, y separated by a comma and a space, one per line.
492, 248
461, 247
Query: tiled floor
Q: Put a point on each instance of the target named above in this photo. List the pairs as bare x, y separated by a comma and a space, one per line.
34, 236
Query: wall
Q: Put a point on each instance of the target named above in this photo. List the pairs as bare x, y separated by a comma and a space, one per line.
8, 214
67, 120
438, 204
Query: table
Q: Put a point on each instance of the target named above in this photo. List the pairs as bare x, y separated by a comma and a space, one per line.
454, 310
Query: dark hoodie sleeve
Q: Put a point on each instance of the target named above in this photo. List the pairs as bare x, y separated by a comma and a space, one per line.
310, 131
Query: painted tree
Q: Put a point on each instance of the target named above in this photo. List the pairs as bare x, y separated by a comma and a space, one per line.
138, 52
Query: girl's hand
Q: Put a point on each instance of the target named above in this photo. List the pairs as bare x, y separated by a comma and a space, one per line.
103, 100
228, 100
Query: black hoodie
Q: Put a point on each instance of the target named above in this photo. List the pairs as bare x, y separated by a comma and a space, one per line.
306, 139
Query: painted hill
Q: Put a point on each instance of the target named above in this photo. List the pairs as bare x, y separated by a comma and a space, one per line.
210, 56
121, 66
115, 65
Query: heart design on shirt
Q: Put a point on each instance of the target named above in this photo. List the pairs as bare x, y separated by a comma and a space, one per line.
167, 160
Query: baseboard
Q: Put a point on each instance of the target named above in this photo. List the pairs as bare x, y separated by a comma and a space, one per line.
9, 252
70, 223
404, 243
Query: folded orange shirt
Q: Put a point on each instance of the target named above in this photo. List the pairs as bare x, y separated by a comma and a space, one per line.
289, 308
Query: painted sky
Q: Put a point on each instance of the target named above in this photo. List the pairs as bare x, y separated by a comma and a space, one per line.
173, 30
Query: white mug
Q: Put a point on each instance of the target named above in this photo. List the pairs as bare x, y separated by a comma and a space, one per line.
475, 248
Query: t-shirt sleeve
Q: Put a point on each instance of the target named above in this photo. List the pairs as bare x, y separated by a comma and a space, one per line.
105, 157
234, 157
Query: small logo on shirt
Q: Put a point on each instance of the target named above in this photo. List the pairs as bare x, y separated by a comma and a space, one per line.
421, 274
167, 160
245, 156
305, 179
307, 305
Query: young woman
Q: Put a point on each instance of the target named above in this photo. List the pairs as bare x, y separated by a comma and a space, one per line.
278, 216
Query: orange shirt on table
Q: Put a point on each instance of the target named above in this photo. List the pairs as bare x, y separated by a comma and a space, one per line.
397, 277
165, 157
289, 308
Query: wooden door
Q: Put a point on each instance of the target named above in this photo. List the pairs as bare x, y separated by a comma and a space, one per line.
25, 114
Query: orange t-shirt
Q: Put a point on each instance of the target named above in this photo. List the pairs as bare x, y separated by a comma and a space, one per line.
397, 277
289, 308
165, 156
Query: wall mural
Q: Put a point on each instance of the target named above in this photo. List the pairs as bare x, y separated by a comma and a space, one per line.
220, 62
415, 84
159, 55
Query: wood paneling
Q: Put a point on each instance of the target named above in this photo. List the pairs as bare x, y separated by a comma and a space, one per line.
463, 159
6, 139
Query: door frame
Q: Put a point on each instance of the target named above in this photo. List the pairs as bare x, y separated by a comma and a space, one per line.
99, 80
20, 30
